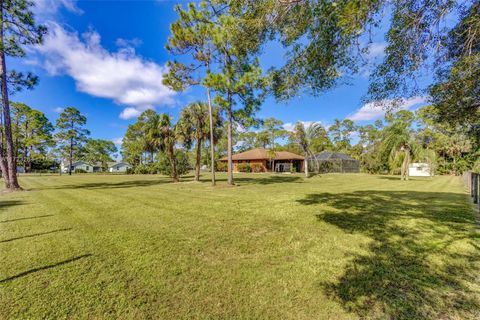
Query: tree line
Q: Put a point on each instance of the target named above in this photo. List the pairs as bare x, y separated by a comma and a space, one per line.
217, 44
40, 145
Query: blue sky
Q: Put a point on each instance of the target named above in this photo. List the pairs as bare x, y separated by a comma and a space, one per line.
107, 58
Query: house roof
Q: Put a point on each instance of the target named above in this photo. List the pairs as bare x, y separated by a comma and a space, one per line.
262, 154
113, 164
330, 155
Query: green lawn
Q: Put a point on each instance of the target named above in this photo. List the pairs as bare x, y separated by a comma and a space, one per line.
277, 247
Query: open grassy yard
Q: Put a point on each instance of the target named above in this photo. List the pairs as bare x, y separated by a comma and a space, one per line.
277, 247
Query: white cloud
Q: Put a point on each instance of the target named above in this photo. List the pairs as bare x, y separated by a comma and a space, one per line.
117, 141
376, 110
122, 76
58, 110
135, 42
376, 49
289, 126
50, 7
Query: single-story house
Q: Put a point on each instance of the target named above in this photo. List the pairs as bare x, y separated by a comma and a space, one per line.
77, 165
118, 167
278, 161
420, 169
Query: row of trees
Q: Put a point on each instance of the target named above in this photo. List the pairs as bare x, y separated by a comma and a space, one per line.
218, 43
222, 40
40, 145
384, 146
155, 135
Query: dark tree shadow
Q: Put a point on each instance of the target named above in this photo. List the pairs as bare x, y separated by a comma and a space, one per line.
397, 279
262, 180
27, 218
35, 235
4, 204
61, 263
109, 185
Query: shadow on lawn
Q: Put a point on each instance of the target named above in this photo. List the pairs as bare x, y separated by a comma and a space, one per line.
4, 204
261, 180
397, 278
35, 235
110, 185
27, 218
25, 273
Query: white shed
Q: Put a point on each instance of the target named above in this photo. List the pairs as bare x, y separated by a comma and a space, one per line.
419, 169
119, 167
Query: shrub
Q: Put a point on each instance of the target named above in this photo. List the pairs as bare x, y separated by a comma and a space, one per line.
293, 169
221, 166
257, 167
183, 165
244, 167
147, 168
80, 171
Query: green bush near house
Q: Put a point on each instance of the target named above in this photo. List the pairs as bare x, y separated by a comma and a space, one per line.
244, 167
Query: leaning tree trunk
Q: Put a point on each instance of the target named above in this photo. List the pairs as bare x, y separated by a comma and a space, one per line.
198, 159
212, 146
11, 167
230, 146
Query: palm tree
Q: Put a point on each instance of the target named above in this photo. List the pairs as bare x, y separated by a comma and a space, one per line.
161, 135
304, 137
193, 126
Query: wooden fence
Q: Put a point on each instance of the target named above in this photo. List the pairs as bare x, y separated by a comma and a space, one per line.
472, 180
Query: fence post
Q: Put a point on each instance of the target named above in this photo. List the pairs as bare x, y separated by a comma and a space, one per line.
475, 187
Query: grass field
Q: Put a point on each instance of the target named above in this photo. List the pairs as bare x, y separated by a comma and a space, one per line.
277, 247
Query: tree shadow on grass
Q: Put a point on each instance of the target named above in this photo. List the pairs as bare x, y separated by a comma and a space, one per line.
110, 185
262, 180
27, 218
35, 235
421, 262
50, 266
4, 204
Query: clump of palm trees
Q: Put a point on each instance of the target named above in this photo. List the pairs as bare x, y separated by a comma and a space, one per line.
155, 133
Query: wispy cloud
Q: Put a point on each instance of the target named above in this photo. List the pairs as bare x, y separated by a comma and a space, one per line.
58, 110
117, 141
377, 110
50, 7
289, 126
123, 76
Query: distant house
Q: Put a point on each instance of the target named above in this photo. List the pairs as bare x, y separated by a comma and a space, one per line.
76, 165
419, 169
329, 162
278, 161
118, 167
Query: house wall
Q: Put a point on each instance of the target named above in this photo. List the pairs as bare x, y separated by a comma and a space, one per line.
84, 166
122, 168
264, 164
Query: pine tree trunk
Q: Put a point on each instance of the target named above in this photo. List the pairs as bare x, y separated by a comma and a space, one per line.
70, 158
198, 159
11, 167
212, 146
230, 147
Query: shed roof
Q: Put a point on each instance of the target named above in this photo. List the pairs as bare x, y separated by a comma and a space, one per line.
330, 155
262, 154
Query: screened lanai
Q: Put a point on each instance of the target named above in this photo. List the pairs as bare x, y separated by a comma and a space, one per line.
329, 162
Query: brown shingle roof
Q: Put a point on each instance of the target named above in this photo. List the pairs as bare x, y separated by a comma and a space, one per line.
262, 154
